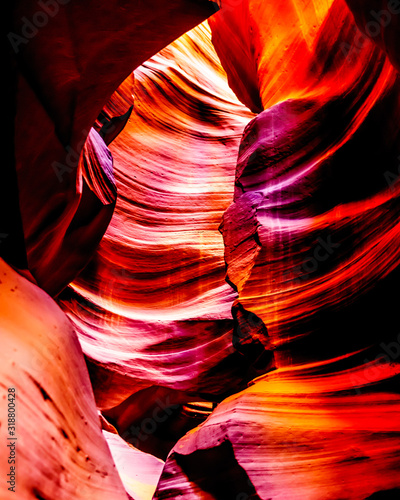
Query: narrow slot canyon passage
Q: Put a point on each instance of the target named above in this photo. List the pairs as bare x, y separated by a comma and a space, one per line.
199, 250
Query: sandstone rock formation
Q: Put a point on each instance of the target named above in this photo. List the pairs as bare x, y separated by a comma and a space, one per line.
200, 250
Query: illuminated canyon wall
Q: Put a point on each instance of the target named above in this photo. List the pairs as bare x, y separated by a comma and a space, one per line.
200, 250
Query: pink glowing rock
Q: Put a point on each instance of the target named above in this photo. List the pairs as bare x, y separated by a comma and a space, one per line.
239, 318
153, 308
66, 70
297, 433
138, 471
60, 449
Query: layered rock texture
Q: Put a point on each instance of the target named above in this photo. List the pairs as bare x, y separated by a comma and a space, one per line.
200, 250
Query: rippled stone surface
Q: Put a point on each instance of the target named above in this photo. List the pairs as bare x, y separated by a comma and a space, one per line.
225, 251
153, 307
61, 73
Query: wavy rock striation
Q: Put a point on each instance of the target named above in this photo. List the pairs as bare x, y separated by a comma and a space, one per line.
239, 317
64, 61
153, 308
310, 245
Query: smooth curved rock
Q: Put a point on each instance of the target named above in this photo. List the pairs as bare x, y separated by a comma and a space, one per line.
63, 66
311, 185
60, 450
139, 471
153, 307
239, 244
295, 434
